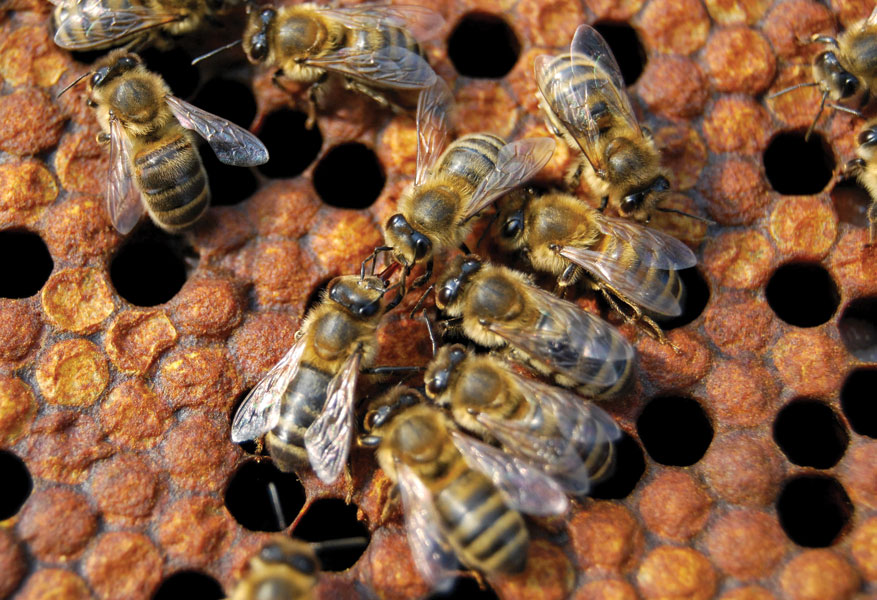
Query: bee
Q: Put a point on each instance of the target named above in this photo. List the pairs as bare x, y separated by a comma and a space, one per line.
571, 440
583, 99
846, 71
153, 160
304, 405
461, 498
454, 185
563, 236
371, 46
864, 168
497, 307
284, 569
102, 24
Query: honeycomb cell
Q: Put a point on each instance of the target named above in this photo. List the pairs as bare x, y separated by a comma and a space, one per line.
749, 592
134, 417
741, 393
28, 57
197, 453
286, 208
746, 544
739, 59
813, 510
72, 373
739, 324
864, 548
20, 328
606, 589
12, 563
343, 239
794, 107
389, 567
78, 300
669, 572
126, 487
209, 306
674, 87
261, 341
196, 531
853, 267
19, 484
284, 273
150, 268
817, 372
860, 474
349, 176
135, 339
674, 506
330, 519
733, 12
52, 584
17, 409
737, 124
483, 45
63, 445
249, 496
789, 22
24, 277
743, 469
683, 152
30, 122
200, 377
857, 401
674, 430
189, 584
486, 106
736, 191
78, 230
606, 537
614, 10
397, 145
123, 566
26, 188
547, 576
82, 165
803, 237
739, 259
857, 327
819, 575
810, 434
674, 27
795, 166
288, 160
671, 369
57, 524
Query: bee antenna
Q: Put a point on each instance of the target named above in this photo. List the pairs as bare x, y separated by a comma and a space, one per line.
340, 544
689, 215
816, 118
789, 89
275, 503
75, 81
215, 51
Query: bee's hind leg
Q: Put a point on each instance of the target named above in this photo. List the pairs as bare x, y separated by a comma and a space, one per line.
374, 94
573, 178
637, 318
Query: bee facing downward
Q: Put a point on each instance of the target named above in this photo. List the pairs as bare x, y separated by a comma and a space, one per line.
864, 168
561, 235
101, 24
153, 161
846, 71
371, 46
284, 569
583, 99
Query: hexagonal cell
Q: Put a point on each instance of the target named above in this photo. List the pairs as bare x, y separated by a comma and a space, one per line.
857, 326
262, 498
810, 434
291, 145
349, 176
859, 402
674, 430
150, 268
630, 464
339, 537
189, 584
625, 44
24, 276
17, 484
802, 294
483, 45
796, 167
814, 510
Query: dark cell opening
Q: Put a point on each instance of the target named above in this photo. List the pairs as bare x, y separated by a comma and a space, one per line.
810, 434
250, 501
813, 510
483, 45
627, 48
191, 585
229, 185
697, 294
630, 464
17, 484
851, 202
802, 294
464, 587
674, 430
229, 99
175, 68
27, 266
291, 145
858, 328
349, 176
332, 520
150, 268
858, 401
795, 167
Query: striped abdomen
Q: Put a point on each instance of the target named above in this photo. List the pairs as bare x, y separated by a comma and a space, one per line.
301, 405
172, 181
471, 158
384, 36
580, 79
79, 24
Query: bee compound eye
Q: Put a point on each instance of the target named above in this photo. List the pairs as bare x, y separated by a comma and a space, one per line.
512, 228
422, 246
303, 564
849, 85
448, 292
438, 383
272, 553
629, 203
457, 354
868, 137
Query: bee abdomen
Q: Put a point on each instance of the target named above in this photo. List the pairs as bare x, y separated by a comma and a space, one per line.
75, 25
173, 182
471, 157
488, 534
300, 406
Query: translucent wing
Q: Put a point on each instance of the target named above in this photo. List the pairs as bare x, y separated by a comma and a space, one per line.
423, 23
871, 20
391, 66
653, 248
570, 341
260, 410
124, 205
328, 439
524, 485
232, 144
516, 163
429, 548
88, 24
645, 286
434, 106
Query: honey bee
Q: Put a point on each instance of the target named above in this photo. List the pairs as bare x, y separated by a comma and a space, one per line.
563, 236
454, 185
284, 569
583, 99
371, 46
153, 161
845, 72
496, 307
571, 440
305, 403
864, 168
102, 24
461, 498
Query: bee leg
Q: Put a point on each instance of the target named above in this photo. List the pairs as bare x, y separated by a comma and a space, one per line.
574, 178
373, 94
103, 138
637, 318
348, 483
313, 97
872, 219
425, 277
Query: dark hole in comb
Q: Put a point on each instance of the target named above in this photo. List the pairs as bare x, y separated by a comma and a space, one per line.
795, 167
802, 294
858, 400
191, 585
17, 484
813, 510
249, 500
627, 48
858, 328
697, 294
291, 145
175, 68
851, 202
332, 519
27, 266
349, 176
150, 268
630, 465
674, 430
810, 434
483, 45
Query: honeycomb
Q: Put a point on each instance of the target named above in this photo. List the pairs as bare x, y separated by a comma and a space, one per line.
748, 469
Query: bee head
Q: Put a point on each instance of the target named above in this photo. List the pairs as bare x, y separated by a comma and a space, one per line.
638, 205
360, 297
382, 412
409, 245
510, 218
441, 369
454, 279
114, 65
298, 556
833, 78
257, 32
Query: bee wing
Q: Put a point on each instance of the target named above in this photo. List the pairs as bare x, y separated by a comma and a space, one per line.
516, 163
328, 439
426, 539
89, 24
260, 410
871, 21
524, 485
654, 248
123, 199
232, 144
571, 341
434, 106
423, 23
390, 66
